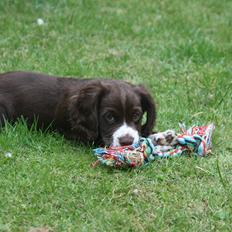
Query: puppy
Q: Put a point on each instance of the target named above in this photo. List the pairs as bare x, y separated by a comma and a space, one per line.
105, 112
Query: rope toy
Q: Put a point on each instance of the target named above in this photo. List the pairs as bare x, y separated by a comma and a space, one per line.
197, 141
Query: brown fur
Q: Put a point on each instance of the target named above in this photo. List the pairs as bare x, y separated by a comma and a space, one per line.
80, 109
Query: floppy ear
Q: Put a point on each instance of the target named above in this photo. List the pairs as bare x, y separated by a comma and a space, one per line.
148, 107
83, 111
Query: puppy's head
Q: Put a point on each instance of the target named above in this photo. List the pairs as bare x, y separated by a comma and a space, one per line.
111, 112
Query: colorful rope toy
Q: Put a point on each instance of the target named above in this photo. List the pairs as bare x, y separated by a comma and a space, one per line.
197, 140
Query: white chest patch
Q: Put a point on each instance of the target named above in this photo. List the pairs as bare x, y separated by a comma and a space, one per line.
123, 131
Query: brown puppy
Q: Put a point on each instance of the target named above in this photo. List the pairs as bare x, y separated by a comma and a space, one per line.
102, 111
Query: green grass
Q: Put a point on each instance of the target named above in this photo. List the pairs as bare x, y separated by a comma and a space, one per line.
182, 51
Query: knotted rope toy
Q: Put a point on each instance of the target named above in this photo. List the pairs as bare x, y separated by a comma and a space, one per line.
197, 141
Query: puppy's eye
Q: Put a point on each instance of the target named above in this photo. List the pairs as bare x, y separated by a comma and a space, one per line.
136, 116
109, 117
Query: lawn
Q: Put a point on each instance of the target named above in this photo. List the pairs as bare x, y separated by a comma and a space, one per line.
180, 50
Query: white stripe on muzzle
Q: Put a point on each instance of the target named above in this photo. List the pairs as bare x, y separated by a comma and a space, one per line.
123, 131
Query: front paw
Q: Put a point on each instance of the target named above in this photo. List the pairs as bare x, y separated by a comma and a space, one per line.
166, 138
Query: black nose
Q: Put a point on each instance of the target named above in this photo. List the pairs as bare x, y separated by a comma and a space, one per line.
126, 140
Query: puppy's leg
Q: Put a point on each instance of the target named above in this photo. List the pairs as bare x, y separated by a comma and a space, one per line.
4, 115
